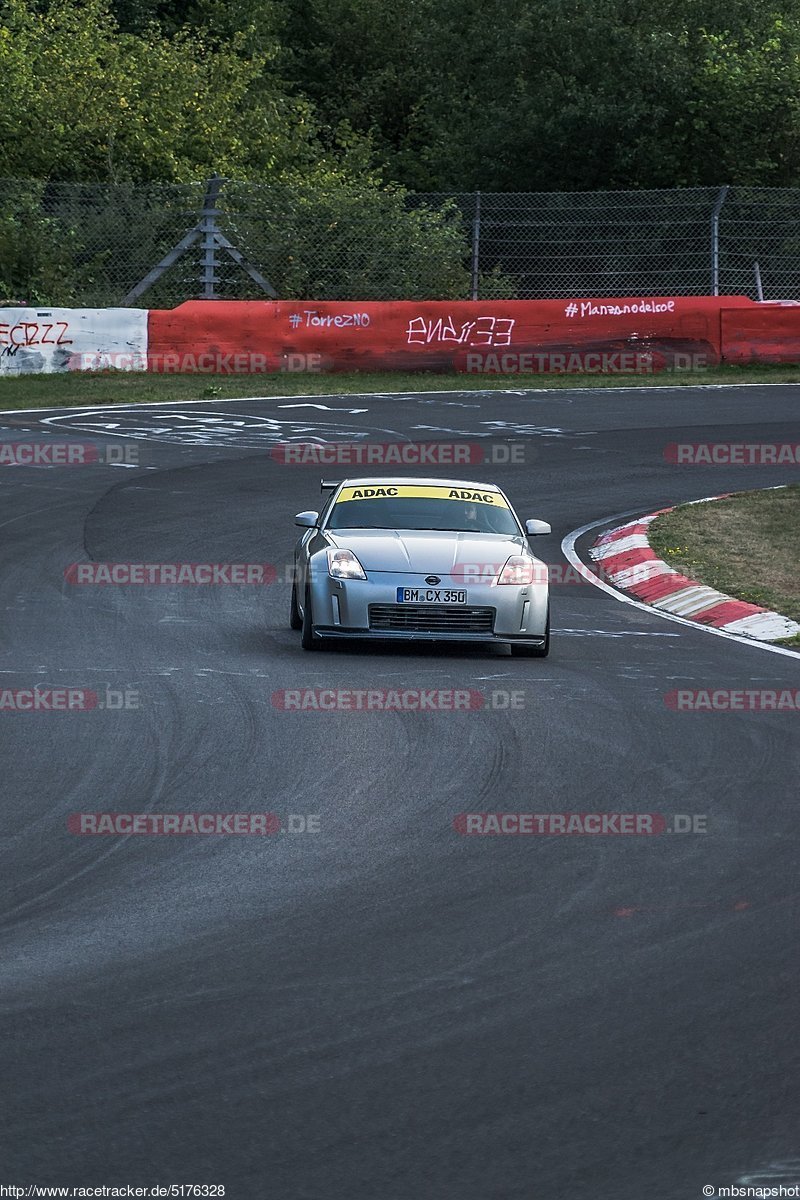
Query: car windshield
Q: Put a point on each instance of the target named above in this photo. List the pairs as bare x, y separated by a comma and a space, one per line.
459, 510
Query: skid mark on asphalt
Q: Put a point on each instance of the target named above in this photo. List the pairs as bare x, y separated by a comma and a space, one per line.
634, 910
740, 905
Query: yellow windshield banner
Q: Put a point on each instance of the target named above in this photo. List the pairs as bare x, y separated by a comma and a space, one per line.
403, 491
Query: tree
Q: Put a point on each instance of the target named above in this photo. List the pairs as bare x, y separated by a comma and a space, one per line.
92, 103
525, 95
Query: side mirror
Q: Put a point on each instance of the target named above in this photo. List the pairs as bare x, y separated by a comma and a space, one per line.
307, 520
534, 528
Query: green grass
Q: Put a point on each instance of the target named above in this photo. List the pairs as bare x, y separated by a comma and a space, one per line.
747, 546
138, 387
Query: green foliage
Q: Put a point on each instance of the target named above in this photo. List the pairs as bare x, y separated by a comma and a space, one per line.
339, 241
93, 103
528, 95
439, 95
744, 113
37, 260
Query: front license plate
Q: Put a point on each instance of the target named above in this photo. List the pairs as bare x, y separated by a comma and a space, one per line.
431, 596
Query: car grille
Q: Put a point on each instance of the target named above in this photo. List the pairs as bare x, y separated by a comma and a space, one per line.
430, 618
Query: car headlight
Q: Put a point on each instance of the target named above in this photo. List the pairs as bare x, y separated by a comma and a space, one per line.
518, 570
343, 564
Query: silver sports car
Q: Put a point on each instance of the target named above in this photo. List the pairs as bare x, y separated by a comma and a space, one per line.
419, 559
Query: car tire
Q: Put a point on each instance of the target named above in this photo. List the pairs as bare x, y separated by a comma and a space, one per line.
295, 620
308, 638
535, 651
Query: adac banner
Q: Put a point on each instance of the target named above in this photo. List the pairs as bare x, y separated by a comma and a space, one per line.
639, 335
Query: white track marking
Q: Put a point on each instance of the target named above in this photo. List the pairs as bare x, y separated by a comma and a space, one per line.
323, 408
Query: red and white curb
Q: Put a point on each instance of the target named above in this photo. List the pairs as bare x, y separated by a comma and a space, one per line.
628, 562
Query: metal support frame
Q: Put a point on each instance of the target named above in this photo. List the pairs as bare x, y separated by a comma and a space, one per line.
206, 232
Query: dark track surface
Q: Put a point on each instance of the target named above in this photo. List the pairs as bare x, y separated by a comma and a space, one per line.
387, 1010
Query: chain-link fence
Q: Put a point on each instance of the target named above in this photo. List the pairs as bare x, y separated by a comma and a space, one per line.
157, 245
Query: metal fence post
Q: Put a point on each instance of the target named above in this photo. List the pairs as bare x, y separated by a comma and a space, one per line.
723, 191
759, 286
208, 228
476, 247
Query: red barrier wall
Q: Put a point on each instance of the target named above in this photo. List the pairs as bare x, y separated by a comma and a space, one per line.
492, 337
761, 333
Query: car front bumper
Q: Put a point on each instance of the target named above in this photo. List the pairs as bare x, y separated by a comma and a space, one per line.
347, 609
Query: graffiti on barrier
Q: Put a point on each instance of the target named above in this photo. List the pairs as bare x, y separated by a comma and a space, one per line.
34, 333
482, 331
588, 308
310, 317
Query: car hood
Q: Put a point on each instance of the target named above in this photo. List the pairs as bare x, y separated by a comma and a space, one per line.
425, 552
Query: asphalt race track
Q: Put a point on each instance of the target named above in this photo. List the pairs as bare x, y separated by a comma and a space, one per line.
387, 1009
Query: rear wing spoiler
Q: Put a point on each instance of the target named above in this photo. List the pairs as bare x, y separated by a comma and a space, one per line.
328, 485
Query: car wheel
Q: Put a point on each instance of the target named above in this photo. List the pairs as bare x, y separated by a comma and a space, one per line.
308, 639
295, 620
535, 651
